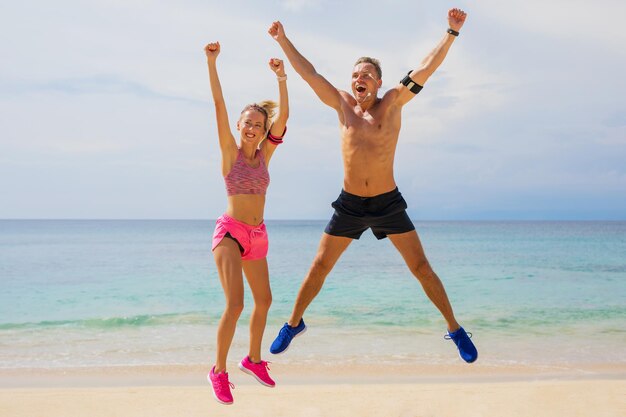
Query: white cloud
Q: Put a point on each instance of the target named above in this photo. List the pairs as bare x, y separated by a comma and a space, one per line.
571, 20
300, 5
108, 114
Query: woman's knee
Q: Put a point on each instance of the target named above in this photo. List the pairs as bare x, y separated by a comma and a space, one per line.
263, 302
233, 309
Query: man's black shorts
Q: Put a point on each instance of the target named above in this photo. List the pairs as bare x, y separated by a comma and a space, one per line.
385, 214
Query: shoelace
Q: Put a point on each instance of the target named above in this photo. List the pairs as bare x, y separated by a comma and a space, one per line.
448, 337
262, 364
286, 332
222, 381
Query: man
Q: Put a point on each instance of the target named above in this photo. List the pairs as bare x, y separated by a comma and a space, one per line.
370, 127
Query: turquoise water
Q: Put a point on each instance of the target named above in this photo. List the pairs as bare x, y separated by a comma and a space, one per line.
97, 293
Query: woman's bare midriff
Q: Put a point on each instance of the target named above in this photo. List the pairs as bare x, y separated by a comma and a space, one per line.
247, 208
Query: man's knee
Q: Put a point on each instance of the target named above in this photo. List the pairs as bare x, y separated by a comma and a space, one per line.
421, 268
321, 266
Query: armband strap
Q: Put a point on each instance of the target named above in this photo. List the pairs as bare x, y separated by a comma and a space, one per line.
410, 84
453, 32
276, 140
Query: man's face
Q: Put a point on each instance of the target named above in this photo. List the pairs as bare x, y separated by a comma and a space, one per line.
365, 81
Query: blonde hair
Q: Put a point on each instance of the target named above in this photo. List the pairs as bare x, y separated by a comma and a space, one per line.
265, 107
373, 61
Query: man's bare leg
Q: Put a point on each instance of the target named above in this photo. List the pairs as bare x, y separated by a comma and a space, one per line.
410, 247
328, 253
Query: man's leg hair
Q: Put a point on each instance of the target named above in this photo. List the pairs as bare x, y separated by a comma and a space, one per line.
329, 251
410, 247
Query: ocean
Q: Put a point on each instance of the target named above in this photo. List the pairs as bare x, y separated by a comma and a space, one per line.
97, 293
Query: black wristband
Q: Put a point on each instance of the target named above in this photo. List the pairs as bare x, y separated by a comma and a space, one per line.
453, 32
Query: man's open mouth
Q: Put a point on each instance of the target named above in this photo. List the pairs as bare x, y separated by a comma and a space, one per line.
360, 88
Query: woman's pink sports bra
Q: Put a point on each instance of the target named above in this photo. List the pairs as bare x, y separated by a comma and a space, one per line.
244, 179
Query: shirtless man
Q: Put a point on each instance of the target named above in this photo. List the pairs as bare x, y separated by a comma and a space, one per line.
370, 127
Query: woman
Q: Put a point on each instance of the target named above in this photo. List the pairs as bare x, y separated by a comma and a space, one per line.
240, 239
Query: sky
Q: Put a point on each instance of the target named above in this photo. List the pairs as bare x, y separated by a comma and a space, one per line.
106, 111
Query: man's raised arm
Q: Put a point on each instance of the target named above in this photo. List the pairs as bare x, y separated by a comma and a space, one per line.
419, 76
324, 90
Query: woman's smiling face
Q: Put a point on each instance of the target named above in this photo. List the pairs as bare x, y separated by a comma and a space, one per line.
252, 126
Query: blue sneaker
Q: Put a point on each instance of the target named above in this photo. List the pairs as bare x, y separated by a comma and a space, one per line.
461, 339
285, 336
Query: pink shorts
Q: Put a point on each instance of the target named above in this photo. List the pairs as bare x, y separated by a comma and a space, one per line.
252, 239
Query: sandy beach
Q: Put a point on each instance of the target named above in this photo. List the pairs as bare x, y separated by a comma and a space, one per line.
422, 391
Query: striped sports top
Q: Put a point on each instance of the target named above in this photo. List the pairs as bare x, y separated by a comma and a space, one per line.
244, 179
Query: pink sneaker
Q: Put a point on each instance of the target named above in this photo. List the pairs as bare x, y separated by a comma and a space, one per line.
257, 370
221, 386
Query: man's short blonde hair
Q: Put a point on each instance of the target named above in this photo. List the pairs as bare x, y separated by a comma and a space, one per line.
373, 61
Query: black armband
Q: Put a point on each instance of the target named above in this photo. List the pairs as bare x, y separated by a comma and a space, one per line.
410, 84
453, 32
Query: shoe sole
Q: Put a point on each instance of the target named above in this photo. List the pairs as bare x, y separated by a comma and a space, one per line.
287, 348
249, 372
208, 378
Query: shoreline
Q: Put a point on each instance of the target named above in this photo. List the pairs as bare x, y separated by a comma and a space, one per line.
290, 374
